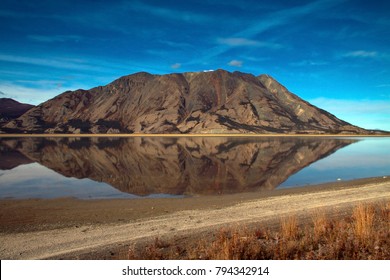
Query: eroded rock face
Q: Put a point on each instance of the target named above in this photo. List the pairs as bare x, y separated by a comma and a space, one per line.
205, 102
189, 166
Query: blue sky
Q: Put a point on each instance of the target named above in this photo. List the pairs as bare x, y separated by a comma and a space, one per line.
333, 53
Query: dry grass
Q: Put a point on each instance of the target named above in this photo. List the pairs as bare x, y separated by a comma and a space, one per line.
363, 221
289, 228
320, 224
362, 235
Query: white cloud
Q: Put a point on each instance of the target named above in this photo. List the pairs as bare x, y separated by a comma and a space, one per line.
176, 66
361, 53
236, 63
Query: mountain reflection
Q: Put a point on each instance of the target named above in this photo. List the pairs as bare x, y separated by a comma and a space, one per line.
184, 165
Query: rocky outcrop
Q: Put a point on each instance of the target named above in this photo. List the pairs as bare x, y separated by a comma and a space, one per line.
204, 102
180, 166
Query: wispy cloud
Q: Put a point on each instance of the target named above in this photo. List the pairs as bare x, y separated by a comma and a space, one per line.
244, 42
286, 16
309, 63
267, 23
54, 38
168, 13
176, 45
383, 85
60, 62
236, 63
88, 64
176, 65
361, 53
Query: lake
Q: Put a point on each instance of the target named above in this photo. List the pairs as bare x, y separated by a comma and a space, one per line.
139, 167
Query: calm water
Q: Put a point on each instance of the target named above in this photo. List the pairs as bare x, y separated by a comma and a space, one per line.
90, 168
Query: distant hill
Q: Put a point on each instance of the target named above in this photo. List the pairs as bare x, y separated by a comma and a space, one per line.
11, 109
195, 102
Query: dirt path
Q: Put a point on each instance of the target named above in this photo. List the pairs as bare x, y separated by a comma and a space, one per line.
57, 242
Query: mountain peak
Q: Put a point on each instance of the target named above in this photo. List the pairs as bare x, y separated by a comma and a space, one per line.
194, 102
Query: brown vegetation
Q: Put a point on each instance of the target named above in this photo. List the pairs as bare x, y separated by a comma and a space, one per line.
363, 235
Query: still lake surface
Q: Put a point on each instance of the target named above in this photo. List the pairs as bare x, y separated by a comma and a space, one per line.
138, 167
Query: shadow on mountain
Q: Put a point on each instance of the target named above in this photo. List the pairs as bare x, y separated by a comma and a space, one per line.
186, 165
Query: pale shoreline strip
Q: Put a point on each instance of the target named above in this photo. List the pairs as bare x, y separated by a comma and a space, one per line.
174, 135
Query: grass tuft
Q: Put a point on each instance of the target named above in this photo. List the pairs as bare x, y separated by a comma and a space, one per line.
289, 228
363, 221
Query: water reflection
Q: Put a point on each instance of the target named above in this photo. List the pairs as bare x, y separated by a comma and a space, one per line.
177, 166
367, 158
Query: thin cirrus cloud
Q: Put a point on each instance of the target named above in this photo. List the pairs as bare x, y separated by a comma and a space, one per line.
54, 38
283, 17
95, 65
171, 14
63, 63
244, 42
361, 53
305, 63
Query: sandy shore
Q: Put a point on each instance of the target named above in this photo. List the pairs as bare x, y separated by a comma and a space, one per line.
68, 228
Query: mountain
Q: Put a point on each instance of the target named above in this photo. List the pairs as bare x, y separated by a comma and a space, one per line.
176, 165
199, 102
11, 109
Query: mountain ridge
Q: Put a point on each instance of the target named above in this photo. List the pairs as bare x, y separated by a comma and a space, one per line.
11, 109
192, 102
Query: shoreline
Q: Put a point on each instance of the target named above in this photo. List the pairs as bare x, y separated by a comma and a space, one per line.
71, 228
4, 135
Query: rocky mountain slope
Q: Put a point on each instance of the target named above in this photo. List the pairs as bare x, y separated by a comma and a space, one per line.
203, 102
11, 109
